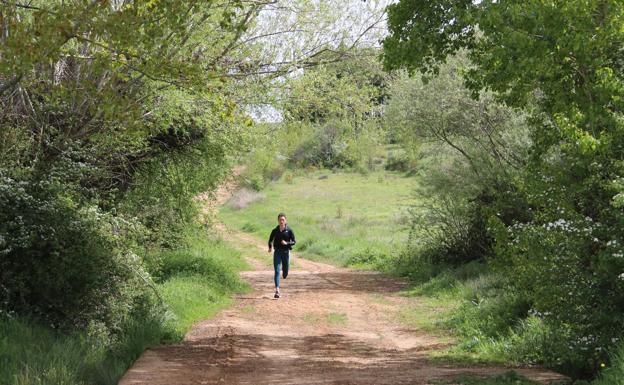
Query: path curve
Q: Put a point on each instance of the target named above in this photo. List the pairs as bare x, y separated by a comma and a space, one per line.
331, 326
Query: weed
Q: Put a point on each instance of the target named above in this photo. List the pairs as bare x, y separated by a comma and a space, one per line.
311, 318
509, 378
337, 318
249, 228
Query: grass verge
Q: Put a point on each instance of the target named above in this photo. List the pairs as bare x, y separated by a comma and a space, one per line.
509, 378
194, 281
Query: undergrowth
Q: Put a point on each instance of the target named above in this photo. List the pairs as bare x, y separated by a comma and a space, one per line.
192, 281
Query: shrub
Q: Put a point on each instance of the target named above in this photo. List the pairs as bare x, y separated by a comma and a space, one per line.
161, 197
555, 265
65, 264
400, 162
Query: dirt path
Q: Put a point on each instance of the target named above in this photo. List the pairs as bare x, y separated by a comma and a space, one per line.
331, 326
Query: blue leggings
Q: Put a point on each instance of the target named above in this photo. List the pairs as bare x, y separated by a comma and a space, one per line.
280, 257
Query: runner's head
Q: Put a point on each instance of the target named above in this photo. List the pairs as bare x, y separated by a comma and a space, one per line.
281, 219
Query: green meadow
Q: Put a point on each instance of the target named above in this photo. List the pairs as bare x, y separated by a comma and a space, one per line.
341, 218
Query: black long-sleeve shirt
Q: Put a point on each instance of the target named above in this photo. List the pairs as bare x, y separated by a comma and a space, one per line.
277, 236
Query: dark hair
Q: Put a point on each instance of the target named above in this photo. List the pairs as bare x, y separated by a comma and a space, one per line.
281, 215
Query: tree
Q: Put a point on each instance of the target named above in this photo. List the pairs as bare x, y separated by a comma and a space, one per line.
562, 62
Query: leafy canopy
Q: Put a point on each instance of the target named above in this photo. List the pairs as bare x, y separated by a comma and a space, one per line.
564, 55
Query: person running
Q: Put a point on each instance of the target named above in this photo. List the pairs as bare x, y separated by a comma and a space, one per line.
282, 240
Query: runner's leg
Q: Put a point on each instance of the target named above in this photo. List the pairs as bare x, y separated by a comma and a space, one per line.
276, 266
285, 263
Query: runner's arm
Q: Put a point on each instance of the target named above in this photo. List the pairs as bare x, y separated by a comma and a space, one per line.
292, 238
271, 238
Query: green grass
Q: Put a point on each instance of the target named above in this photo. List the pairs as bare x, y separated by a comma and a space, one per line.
195, 281
31, 353
190, 299
471, 306
464, 307
509, 378
311, 318
337, 318
613, 372
345, 218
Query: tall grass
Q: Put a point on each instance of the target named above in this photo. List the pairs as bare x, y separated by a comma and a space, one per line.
509, 378
31, 353
194, 281
613, 374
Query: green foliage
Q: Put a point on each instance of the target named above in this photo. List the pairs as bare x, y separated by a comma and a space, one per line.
613, 373
508, 378
348, 90
162, 196
400, 161
467, 151
368, 258
490, 139
31, 353
66, 264
196, 280
113, 117
561, 252
561, 243
210, 259
25, 351
416, 38
330, 120
338, 105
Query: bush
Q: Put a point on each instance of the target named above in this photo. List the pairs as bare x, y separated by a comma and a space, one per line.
65, 264
400, 162
336, 144
555, 266
186, 262
163, 190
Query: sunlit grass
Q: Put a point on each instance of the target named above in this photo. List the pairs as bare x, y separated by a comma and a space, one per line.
342, 218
